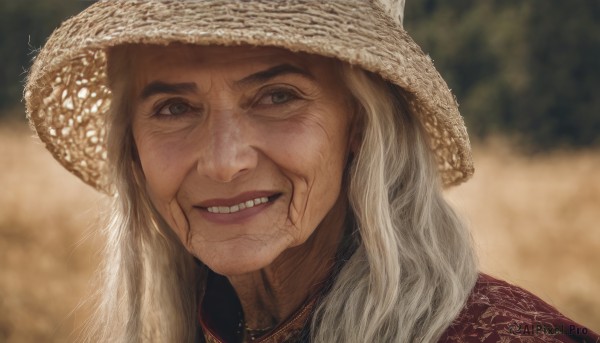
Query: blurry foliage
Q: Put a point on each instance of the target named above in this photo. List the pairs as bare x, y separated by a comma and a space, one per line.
25, 25
525, 68
528, 69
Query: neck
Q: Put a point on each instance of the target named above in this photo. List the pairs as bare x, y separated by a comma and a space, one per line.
270, 295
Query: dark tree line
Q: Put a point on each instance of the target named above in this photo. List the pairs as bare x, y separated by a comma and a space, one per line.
24, 27
525, 68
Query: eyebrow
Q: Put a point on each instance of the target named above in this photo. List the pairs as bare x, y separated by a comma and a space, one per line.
266, 75
159, 87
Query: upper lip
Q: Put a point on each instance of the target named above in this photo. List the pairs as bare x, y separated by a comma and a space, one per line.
242, 197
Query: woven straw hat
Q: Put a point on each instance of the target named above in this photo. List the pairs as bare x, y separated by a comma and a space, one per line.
67, 95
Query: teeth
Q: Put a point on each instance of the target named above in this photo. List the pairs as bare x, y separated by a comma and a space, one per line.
239, 207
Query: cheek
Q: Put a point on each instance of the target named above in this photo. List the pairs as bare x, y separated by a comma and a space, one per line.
166, 152
164, 166
312, 155
163, 163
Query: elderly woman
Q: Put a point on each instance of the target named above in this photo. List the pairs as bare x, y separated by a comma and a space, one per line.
277, 171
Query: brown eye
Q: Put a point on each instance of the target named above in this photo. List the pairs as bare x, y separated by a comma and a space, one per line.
277, 97
174, 109
280, 97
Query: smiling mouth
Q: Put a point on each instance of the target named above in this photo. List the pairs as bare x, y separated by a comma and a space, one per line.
244, 205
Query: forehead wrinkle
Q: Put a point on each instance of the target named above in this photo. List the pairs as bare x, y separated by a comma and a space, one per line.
149, 59
159, 87
273, 72
213, 61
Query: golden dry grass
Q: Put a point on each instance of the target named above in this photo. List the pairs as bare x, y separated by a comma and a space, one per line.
535, 223
45, 263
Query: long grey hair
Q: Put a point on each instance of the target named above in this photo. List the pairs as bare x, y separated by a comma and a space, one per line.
411, 271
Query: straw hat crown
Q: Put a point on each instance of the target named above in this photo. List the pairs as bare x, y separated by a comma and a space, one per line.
67, 95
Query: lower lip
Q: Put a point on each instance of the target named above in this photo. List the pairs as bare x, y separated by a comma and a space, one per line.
237, 217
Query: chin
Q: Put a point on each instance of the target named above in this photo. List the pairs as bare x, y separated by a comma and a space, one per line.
238, 259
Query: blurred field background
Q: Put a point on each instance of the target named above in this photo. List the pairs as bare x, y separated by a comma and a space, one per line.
527, 75
535, 221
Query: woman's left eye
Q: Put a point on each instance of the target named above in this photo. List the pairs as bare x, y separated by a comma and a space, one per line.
277, 97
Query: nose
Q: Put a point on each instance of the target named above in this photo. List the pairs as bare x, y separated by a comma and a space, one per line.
227, 154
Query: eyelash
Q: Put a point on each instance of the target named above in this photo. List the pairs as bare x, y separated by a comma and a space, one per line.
174, 101
293, 95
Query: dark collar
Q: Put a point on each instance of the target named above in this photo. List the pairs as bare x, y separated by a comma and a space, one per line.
219, 316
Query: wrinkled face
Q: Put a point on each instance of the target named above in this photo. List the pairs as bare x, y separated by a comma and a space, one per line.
243, 149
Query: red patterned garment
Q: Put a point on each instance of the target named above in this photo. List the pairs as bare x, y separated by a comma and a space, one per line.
495, 312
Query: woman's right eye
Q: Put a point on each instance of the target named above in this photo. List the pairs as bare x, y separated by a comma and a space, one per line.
174, 109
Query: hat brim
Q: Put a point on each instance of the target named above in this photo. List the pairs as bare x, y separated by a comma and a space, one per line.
67, 94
